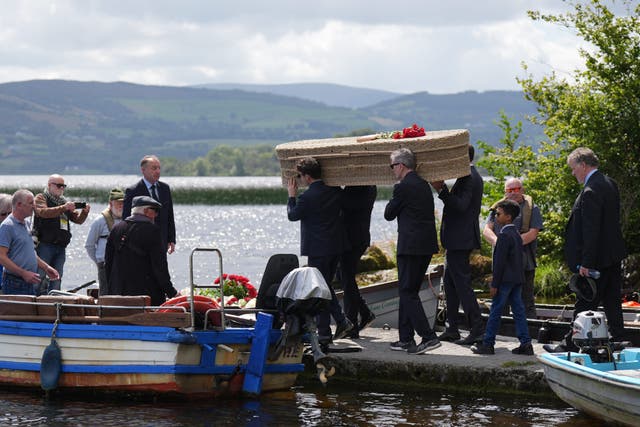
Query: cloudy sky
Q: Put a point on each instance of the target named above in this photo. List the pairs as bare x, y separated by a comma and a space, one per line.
403, 46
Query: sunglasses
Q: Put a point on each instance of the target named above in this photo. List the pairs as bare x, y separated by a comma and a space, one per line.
393, 165
59, 185
512, 190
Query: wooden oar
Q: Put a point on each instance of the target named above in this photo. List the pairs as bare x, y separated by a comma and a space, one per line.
169, 319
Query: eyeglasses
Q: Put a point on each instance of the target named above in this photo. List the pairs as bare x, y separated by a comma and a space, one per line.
513, 190
59, 185
393, 165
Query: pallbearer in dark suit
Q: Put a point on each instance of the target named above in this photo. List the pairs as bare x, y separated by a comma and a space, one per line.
460, 234
593, 240
412, 205
150, 185
322, 239
357, 206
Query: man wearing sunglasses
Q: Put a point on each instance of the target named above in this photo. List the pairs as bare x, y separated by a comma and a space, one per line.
529, 223
135, 260
51, 225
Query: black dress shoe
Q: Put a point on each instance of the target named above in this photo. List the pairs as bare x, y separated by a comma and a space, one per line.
481, 348
560, 348
470, 339
449, 336
366, 321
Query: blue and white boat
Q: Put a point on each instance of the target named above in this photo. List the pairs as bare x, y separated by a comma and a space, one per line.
123, 345
608, 390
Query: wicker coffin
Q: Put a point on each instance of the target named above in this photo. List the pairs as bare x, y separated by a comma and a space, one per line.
365, 161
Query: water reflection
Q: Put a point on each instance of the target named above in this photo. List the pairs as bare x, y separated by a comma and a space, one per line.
247, 236
306, 405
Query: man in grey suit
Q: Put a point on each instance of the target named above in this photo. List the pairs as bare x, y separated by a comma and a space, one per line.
460, 234
412, 204
593, 241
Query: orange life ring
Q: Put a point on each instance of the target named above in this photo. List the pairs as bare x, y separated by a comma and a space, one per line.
201, 305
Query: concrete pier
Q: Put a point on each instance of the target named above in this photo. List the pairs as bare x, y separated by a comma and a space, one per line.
449, 366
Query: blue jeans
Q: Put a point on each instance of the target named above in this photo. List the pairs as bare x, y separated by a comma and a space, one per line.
13, 285
53, 255
512, 293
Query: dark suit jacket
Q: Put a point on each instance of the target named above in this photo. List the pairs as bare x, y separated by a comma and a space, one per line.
460, 227
319, 211
593, 237
507, 258
357, 206
135, 262
165, 219
412, 204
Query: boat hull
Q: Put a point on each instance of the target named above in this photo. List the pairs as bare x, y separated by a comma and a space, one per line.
608, 391
145, 359
383, 299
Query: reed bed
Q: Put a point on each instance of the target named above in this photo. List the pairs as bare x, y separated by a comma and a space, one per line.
198, 196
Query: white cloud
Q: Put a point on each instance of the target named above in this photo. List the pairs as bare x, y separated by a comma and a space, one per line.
405, 45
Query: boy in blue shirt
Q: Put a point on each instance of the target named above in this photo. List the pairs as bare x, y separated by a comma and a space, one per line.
508, 278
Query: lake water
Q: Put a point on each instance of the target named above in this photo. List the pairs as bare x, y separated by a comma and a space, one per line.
305, 405
247, 236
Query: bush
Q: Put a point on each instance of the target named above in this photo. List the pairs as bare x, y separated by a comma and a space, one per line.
551, 280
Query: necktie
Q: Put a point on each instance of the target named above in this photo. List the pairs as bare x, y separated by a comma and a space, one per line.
154, 194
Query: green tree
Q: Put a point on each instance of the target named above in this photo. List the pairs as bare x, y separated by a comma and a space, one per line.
598, 108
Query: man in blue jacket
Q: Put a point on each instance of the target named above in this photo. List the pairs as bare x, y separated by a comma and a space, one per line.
322, 237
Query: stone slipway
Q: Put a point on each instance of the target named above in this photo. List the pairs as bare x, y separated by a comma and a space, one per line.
450, 366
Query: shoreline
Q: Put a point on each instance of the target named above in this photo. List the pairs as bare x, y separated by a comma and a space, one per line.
450, 366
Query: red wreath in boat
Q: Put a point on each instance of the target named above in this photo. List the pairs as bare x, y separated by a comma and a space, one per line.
201, 305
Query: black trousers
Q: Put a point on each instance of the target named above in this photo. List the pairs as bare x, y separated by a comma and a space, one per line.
354, 304
411, 316
458, 290
327, 266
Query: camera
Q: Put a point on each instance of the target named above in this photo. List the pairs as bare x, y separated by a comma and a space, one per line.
80, 205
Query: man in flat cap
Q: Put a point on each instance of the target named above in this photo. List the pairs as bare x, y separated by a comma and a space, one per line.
135, 259
100, 228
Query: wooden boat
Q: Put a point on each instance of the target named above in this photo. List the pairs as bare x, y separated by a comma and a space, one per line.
607, 390
383, 299
67, 343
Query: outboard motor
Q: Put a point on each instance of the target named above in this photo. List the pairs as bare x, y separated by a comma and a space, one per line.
590, 334
302, 294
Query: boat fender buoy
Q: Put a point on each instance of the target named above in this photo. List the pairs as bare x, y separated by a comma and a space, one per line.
50, 366
201, 305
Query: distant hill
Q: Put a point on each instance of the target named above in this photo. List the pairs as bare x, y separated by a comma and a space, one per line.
329, 94
476, 111
51, 126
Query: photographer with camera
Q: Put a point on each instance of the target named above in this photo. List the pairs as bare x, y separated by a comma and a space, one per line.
51, 225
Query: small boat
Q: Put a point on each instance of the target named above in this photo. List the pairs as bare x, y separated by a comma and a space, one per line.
383, 299
597, 380
121, 344
607, 390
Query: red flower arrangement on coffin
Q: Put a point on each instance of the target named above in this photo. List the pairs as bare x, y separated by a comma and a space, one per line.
238, 288
410, 132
